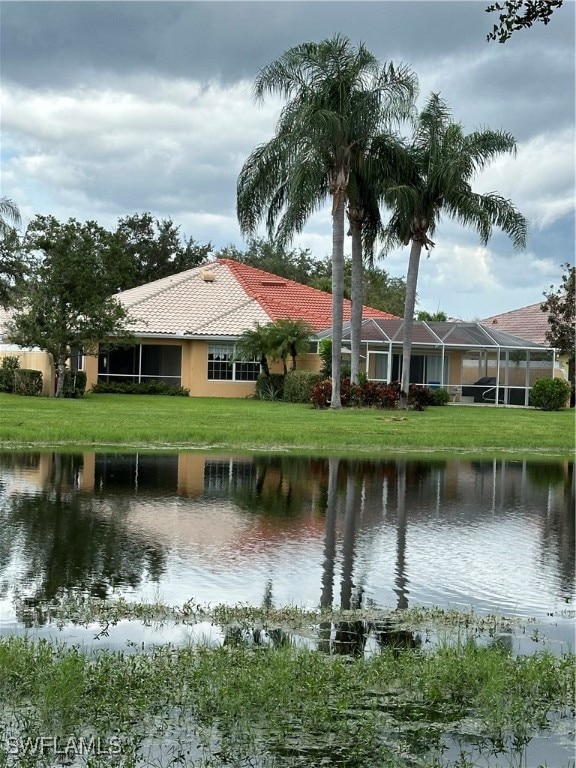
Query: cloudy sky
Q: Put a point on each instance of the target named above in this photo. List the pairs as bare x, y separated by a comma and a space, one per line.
114, 108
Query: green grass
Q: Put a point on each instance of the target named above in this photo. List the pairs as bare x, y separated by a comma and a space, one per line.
156, 422
241, 706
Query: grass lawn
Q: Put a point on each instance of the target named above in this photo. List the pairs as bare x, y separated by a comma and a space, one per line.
159, 422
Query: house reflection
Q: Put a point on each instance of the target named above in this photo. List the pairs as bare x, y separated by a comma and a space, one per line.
331, 530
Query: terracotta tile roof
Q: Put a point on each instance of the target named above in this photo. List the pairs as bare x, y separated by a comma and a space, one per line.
529, 323
282, 298
225, 298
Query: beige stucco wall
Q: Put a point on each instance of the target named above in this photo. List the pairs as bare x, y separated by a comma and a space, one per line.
37, 361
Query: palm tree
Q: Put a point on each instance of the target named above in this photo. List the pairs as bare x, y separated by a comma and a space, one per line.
289, 338
442, 162
335, 95
8, 213
255, 344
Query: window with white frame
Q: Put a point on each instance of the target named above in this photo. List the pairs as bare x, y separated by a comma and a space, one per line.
222, 366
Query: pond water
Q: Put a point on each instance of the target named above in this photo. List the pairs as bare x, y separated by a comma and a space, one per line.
492, 536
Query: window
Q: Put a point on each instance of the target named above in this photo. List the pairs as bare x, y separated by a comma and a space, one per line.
162, 362
223, 367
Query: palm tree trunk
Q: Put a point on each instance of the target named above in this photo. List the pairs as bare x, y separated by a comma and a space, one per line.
357, 301
337, 294
409, 304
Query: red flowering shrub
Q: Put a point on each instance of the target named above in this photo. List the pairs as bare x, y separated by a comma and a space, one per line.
321, 394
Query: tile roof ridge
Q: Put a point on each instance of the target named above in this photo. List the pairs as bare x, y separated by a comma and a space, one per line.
515, 311
238, 266
171, 280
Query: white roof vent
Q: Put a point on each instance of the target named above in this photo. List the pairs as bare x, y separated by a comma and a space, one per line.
207, 275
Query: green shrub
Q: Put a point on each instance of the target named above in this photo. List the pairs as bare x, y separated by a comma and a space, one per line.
550, 394
27, 382
7, 369
325, 353
150, 387
439, 396
298, 385
74, 383
270, 387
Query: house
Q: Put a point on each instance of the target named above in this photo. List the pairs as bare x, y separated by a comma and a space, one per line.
186, 325
474, 362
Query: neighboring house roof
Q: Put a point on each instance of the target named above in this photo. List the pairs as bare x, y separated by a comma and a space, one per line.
527, 322
437, 334
223, 299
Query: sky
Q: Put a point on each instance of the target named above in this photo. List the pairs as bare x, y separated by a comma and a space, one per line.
108, 109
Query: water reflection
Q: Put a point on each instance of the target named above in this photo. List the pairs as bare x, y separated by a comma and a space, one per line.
497, 535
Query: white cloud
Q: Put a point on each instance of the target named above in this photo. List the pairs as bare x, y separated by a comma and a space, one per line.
539, 180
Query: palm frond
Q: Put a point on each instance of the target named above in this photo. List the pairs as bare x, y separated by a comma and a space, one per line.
9, 216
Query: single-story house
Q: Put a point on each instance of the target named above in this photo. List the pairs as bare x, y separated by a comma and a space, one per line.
186, 325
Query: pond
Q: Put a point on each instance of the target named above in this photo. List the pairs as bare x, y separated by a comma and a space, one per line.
491, 536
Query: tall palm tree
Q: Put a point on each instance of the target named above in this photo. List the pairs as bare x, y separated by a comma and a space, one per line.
335, 96
442, 161
8, 213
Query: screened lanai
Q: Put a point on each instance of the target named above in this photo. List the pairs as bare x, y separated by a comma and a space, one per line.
474, 363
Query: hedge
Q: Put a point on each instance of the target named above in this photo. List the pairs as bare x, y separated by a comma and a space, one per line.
298, 385
151, 387
27, 382
8, 367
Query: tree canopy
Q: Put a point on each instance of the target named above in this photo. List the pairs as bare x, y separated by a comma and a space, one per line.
520, 14
66, 300
149, 249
